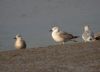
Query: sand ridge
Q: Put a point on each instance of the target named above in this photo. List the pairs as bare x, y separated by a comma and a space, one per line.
79, 57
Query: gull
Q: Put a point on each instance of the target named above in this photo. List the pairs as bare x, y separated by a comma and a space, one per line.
20, 42
88, 35
60, 36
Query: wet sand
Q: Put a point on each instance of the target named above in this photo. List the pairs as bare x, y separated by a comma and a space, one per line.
79, 57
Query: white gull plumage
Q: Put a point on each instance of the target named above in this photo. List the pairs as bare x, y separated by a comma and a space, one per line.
88, 35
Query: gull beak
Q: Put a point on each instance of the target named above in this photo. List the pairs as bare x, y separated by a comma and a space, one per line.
14, 38
50, 30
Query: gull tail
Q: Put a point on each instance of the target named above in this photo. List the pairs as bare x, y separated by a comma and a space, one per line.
75, 36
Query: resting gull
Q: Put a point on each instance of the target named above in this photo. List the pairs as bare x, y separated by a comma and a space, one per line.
60, 36
20, 42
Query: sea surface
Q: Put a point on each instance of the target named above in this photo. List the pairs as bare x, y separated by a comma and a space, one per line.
34, 18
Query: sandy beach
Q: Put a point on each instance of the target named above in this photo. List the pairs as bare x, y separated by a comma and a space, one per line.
79, 57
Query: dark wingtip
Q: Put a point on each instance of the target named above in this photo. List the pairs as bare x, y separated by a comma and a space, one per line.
76, 36
97, 38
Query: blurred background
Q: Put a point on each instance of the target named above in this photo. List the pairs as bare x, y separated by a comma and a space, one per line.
33, 19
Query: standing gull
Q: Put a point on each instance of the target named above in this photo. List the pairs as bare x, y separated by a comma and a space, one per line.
60, 36
88, 35
20, 42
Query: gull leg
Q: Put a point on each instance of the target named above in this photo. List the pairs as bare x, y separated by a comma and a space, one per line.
63, 43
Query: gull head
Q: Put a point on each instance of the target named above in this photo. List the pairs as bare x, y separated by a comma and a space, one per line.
86, 28
55, 29
18, 36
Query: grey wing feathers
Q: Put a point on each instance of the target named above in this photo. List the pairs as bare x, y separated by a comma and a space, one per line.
24, 44
66, 35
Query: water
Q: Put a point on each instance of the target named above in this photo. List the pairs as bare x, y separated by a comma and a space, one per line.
33, 19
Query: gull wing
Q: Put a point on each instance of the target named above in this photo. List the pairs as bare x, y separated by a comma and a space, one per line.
24, 44
66, 35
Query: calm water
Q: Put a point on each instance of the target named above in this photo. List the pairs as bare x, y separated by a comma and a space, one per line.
33, 19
